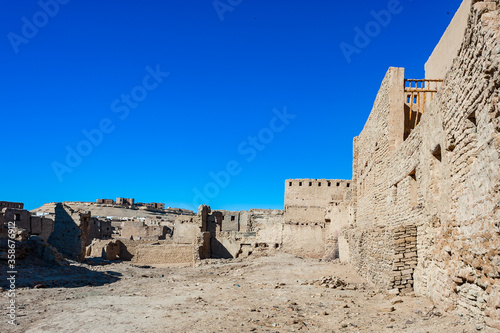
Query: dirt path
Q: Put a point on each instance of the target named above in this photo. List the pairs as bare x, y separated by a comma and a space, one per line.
267, 294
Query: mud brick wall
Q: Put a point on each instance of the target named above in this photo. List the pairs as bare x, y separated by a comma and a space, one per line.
405, 258
313, 195
369, 237
371, 253
444, 179
315, 211
165, 254
465, 269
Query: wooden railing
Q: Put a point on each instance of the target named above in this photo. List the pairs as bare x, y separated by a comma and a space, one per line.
418, 95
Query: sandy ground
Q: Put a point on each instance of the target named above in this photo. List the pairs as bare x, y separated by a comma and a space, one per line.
266, 294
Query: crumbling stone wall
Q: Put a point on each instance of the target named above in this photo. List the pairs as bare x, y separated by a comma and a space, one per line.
8, 204
164, 254
250, 232
372, 253
68, 238
242, 233
204, 246
99, 229
315, 212
42, 227
405, 258
34, 225
304, 239
138, 230
306, 200
187, 229
231, 220
75, 229
464, 270
107, 249
267, 225
128, 202
443, 179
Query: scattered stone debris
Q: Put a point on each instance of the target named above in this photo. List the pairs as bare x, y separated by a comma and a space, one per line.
331, 282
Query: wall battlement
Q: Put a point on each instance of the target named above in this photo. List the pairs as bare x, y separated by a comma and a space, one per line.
315, 192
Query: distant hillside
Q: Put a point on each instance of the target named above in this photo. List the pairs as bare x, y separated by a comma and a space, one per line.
108, 210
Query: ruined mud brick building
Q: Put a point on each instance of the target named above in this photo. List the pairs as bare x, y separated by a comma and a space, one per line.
426, 174
127, 202
240, 233
155, 244
80, 233
34, 225
152, 205
8, 204
315, 212
105, 201
138, 230
75, 229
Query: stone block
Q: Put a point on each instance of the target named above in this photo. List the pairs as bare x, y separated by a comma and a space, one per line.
410, 254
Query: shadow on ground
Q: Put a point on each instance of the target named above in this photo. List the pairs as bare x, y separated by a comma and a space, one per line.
47, 276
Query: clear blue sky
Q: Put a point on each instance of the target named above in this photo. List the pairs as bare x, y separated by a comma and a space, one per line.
71, 70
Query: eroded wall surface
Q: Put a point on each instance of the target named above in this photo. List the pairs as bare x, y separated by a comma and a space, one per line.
444, 180
315, 212
138, 230
164, 254
68, 236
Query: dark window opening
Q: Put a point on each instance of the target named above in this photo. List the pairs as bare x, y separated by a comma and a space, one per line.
319, 184
338, 184
232, 218
348, 184
329, 184
413, 189
437, 153
290, 184
472, 118
310, 183
300, 183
